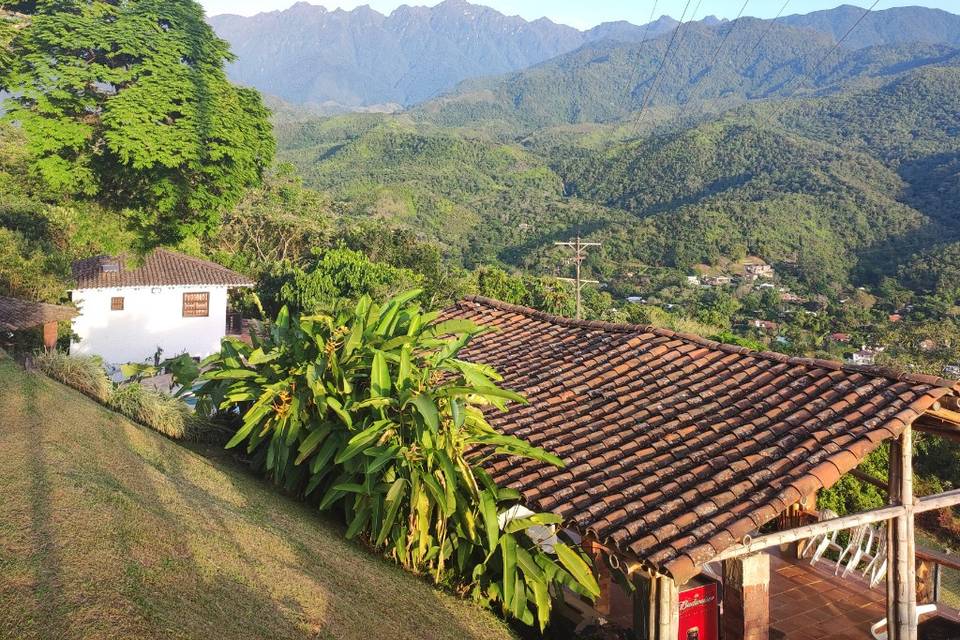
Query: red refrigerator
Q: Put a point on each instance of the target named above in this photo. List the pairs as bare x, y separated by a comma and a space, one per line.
699, 613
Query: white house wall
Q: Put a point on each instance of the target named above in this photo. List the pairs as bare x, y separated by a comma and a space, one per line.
152, 317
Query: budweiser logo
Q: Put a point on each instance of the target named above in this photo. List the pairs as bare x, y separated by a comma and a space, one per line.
697, 601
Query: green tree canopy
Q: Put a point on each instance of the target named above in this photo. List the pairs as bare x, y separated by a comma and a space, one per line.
127, 102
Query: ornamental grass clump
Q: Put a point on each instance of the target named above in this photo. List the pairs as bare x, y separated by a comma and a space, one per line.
163, 413
84, 373
370, 411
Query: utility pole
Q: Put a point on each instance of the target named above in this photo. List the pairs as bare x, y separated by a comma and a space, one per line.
579, 255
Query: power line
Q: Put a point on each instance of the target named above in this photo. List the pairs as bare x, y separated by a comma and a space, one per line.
715, 57
806, 74
663, 61
634, 77
729, 31
768, 29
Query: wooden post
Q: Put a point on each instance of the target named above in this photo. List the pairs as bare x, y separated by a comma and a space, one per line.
50, 335
901, 559
668, 609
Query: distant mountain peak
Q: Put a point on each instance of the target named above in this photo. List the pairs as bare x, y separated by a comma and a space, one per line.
307, 54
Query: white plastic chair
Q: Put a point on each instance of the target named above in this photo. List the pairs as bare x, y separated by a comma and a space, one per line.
922, 609
876, 568
864, 550
820, 544
853, 548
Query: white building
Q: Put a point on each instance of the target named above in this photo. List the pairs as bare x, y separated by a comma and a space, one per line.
168, 302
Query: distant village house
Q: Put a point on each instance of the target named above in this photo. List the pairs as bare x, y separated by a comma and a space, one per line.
755, 271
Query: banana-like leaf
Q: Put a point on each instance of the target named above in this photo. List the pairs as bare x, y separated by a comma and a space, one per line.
361, 441
577, 568
508, 552
428, 409
516, 446
450, 327
338, 409
309, 444
541, 598
230, 374
537, 519
382, 458
488, 510
359, 522
393, 502
436, 491
406, 366
379, 376
259, 357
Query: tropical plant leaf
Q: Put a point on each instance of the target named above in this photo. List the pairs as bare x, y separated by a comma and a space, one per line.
577, 568
428, 409
379, 375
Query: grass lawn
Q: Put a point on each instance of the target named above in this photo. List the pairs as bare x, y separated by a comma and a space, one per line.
108, 530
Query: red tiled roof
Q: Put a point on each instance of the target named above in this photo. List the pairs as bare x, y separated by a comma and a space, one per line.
676, 446
16, 314
160, 268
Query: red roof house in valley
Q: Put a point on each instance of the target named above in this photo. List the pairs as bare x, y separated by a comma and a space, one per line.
678, 448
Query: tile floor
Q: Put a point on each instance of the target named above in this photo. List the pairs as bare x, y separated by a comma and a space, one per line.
810, 603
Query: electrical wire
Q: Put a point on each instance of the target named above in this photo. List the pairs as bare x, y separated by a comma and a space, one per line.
715, 57
768, 29
646, 32
663, 61
806, 74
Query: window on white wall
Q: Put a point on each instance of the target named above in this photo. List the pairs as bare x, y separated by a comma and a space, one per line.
196, 304
116, 303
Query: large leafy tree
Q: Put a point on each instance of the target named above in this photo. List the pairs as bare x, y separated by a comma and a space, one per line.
371, 409
127, 102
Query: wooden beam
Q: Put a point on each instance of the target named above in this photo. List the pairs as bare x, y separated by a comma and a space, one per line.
944, 414
901, 560
893, 497
811, 530
927, 503
668, 609
869, 479
930, 424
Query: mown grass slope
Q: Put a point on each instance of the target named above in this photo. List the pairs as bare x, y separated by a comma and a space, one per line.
108, 530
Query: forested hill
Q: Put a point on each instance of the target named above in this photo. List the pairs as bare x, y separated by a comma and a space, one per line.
608, 81
835, 188
897, 25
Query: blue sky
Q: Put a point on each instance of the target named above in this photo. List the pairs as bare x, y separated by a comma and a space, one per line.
587, 14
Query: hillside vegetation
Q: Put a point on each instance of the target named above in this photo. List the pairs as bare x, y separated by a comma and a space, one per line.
108, 530
831, 187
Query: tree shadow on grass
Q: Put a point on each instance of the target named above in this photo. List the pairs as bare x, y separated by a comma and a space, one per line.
331, 587
48, 590
123, 565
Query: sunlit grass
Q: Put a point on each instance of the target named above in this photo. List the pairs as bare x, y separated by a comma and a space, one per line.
108, 530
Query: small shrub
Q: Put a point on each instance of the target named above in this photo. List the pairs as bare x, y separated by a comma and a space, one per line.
163, 413
83, 373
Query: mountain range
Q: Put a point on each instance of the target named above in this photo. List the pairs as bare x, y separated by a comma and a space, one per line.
309, 55
342, 60
609, 81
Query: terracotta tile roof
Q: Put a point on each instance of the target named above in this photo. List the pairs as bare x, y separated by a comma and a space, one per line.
677, 446
160, 268
16, 314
